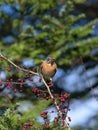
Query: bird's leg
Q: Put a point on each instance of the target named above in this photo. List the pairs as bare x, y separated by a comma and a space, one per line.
51, 79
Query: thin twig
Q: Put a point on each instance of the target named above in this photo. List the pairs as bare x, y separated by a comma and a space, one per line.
88, 80
4, 82
22, 69
57, 107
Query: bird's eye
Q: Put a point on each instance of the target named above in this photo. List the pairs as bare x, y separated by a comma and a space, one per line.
51, 59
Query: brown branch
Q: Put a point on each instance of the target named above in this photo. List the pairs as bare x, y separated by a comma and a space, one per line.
4, 82
22, 69
43, 80
85, 71
57, 107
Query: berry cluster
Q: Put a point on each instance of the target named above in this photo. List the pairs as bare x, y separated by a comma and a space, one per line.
44, 114
63, 97
27, 125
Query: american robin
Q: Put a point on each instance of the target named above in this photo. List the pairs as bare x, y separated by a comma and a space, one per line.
48, 68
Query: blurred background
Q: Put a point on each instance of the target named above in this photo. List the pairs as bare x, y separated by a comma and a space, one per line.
32, 30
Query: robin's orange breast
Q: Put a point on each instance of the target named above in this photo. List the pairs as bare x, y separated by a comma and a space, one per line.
48, 69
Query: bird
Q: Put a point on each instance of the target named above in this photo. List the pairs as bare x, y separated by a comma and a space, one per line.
48, 68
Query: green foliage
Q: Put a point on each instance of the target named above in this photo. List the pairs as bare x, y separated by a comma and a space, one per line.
10, 120
36, 110
50, 33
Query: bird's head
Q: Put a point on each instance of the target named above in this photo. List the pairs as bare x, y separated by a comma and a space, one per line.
51, 60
